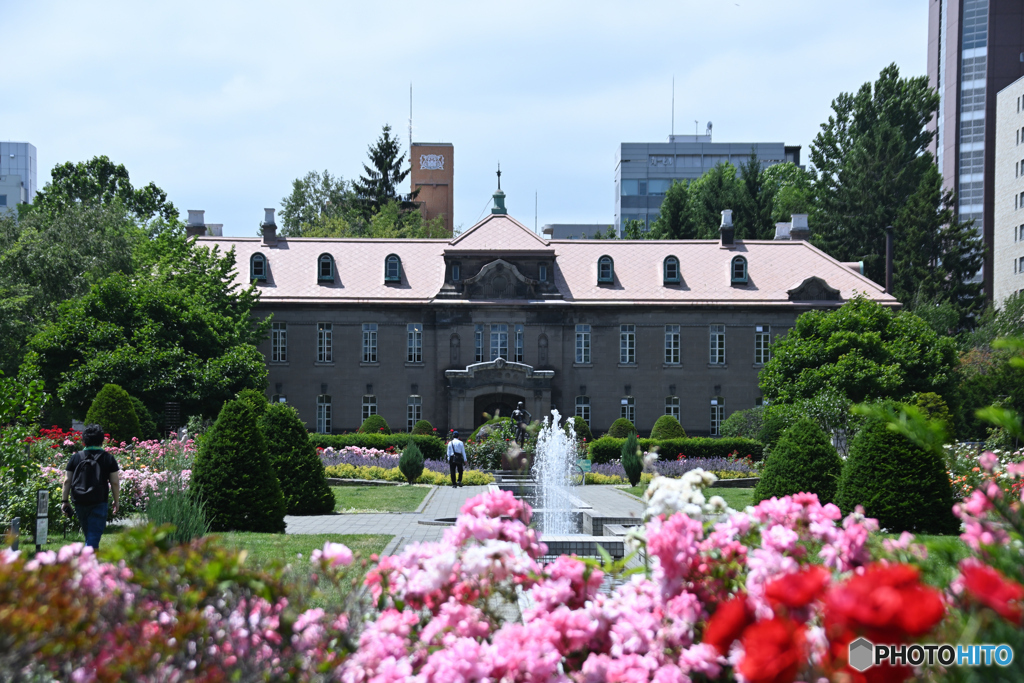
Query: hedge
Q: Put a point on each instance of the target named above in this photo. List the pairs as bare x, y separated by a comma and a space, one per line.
432, 447
374, 473
608, 448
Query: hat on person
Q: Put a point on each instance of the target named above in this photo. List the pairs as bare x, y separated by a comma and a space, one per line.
455, 433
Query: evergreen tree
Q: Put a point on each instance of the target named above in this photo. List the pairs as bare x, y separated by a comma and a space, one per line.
147, 427
756, 201
296, 463
233, 475
631, 461
112, 409
411, 462
674, 221
803, 461
383, 175
714, 191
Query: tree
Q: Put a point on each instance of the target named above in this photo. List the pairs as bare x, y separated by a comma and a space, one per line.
316, 200
383, 175
233, 475
716, 190
755, 202
791, 190
631, 460
101, 181
674, 221
634, 230
862, 351
178, 331
113, 410
873, 170
803, 461
411, 462
295, 460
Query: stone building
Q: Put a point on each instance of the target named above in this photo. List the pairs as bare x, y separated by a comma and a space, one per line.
450, 329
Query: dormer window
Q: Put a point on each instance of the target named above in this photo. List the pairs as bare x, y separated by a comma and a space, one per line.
456, 272
739, 271
670, 270
325, 268
258, 267
605, 269
392, 269
542, 271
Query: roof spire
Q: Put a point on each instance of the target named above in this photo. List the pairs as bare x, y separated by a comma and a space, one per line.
499, 197
499, 175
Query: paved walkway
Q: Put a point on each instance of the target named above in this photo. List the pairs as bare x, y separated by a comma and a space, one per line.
444, 502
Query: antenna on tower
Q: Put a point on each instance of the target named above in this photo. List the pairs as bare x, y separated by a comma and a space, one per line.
673, 104
410, 122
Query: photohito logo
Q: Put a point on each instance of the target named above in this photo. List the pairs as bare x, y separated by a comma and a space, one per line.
864, 654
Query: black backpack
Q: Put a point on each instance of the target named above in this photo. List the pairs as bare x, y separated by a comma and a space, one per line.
88, 485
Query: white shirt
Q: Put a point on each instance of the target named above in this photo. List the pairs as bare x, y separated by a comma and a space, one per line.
456, 446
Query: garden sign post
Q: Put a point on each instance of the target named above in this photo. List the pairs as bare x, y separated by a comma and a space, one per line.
42, 517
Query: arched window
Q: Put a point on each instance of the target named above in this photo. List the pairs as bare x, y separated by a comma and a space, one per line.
392, 268
258, 267
605, 269
739, 270
670, 270
325, 268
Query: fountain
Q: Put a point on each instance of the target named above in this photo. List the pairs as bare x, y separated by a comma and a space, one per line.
553, 462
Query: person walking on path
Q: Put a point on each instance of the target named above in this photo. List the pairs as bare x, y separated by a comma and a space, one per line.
92, 476
456, 458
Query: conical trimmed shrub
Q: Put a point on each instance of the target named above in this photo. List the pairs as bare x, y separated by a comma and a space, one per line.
901, 485
147, 427
667, 427
375, 424
411, 462
255, 400
803, 461
112, 409
294, 458
631, 461
233, 475
621, 428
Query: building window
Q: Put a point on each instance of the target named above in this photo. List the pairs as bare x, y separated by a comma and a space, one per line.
279, 343
1020, 268
672, 406
1021, 233
258, 267
324, 344
369, 406
414, 412
671, 270
739, 270
627, 344
392, 269
583, 408
478, 342
323, 414
605, 269
628, 409
672, 345
762, 339
415, 343
583, 343
518, 357
3, 200
325, 268
499, 341
717, 415
542, 273
717, 345
369, 342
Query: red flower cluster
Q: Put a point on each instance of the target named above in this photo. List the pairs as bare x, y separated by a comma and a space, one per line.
991, 588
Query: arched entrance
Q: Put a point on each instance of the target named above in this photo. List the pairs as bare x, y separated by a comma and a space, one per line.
494, 405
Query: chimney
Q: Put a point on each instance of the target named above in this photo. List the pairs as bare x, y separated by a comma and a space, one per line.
269, 228
782, 231
726, 230
196, 226
799, 230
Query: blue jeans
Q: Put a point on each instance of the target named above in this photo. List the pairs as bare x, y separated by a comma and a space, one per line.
93, 519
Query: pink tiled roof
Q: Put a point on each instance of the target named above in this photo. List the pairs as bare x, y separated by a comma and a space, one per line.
775, 268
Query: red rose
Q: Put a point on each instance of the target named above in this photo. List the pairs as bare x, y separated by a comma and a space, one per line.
728, 623
886, 603
773, 651
991, 588
798, 589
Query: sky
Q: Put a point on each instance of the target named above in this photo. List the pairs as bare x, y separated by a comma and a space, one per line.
225, 104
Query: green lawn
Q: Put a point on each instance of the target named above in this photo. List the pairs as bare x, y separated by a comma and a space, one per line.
737, 499
286, 548
402, 498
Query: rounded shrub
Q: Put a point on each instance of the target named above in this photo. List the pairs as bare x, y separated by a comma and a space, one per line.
233, 476
411, 462
901, 485
492, 426
803, 461
296, 463
147, 426
667, 427
631, 460
581, 428
621, 428
423, 428
375, 424
745, 424
112, 409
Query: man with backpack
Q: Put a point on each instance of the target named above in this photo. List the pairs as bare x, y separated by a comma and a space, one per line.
456, 458
92, 475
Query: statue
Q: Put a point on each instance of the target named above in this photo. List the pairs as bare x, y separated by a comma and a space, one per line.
521, 418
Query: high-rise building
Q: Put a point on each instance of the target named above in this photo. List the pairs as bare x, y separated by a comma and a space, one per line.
644, 171
975, 49
433, 173
1008, 207
17, 174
